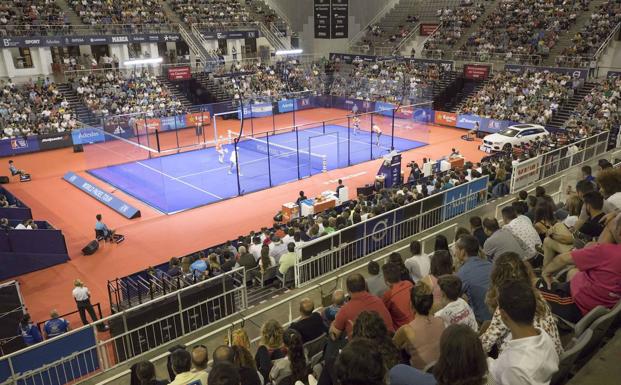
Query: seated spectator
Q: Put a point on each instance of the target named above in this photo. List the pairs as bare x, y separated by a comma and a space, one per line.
609, 181
277, 249
25, 225
270, 347
360, 362
522, 229
418, 264
174, 267
310, 325
330, 312
200, 359
455, 310
376, 282
476, 228
510, 267
462, 361
242, 359
4, 224
266, 261
396, 259
370, 325
474, 274
288, 260
55, 326
182, 367
397, 297
224, 373
582, 188
246, 259
544, 220
593, 227
293, 366
101, 228
441, 264
420, 338
559, 239
499, 241
145, 373
530, 357
595, 280
29, 332
360, 301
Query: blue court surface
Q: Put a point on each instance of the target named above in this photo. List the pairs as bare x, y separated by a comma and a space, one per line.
191, 179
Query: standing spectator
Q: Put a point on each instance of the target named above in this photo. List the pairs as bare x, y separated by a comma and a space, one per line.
474, 274
418, 264
375, 282
397, 297
360, 301
82, 297
420, 338
499, 241
56, 325
310, 325
530, 356
30, 333
455, 310
145, 374
182, 367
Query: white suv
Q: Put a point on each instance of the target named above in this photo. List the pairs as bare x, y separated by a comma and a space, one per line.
513, 135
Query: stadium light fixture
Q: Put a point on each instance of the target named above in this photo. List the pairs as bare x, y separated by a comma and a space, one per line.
289, 52
137, 62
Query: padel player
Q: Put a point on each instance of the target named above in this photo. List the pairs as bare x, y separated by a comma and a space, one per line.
220, 150
378, 132
233, 162
356, 125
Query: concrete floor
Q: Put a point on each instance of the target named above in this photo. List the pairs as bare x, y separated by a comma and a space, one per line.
603, 368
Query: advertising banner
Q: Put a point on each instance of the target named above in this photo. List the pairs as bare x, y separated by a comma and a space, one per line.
322, 19
54, 141
339, 19
179, 73
445, 118
48, 41
613, 74
148, 125
197, 119
476, 71
427, 29
22, 145
303, 104
256, 111
525, 173
286, 105
423, 115
470, 121
122, 126
455, 201
384, 108
87, 135
213, 35
574, 72
116, 204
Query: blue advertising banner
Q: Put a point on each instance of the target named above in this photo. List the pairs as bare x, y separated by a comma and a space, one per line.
286, 105
111, 201
612, 74
212, 35
455, 201
303, 104
479, 185
21, 145
469, 121
87, 135
172, 122
122, 126
423, 115
256, 110
384, 108
48, 41
380, 228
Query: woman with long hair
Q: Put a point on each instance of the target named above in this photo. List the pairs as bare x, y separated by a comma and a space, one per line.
242, 359
441, 264
271, 347
510, 267
239, 337
143, 373
266, 261
293, 367
440, 243
370, 325
420, 338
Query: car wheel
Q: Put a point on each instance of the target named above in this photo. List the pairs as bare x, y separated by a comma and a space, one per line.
507, 147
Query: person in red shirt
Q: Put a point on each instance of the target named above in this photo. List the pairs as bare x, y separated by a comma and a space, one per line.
360, 301
596, 280
397, 297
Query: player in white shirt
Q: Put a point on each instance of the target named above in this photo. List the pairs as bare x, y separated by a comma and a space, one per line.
455, 310
378, 132
356, 122
233, 162
220, 150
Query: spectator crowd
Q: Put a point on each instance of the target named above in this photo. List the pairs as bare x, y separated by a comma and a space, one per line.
21, 17
105, 12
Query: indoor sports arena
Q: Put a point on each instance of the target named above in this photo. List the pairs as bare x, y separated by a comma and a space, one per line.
333, 192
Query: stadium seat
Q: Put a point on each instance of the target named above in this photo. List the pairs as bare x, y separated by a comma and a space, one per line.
586, 321
569, 357
269, 274
314, 349
599, 327
616, 322
288, 279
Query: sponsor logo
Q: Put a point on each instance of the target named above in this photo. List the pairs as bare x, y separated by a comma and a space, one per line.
97, 39
88, 134
119, 130
6, 42
19, 143
52, 139
220, 35
467, 120
120, 39
32, 41
251, 35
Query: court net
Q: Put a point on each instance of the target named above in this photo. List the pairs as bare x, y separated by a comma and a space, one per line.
305, 159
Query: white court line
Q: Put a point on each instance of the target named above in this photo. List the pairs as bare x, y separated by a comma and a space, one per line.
164, 174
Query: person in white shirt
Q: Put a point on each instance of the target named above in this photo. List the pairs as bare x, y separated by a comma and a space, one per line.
255, 248
418, 264
233, 162
530, 358
609, 181
523, 230
455, 310
82, 297
277, 248
181, 361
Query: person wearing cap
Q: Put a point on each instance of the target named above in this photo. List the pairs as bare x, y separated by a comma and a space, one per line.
55, 326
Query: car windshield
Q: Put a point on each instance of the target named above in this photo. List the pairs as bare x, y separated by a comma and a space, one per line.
509, 132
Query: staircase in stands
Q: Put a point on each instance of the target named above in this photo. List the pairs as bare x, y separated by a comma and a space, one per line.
83, 113
174, 88
565, 111
216, 91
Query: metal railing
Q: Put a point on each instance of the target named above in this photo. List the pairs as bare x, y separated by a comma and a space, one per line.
274, 40
497, 57
390, 4
129, 342
406, 39
546, 165
377, 233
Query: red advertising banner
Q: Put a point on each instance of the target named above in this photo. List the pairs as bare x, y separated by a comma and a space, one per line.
427, 29
151, 124
179, 73
197, 119
476, 71
446, 118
